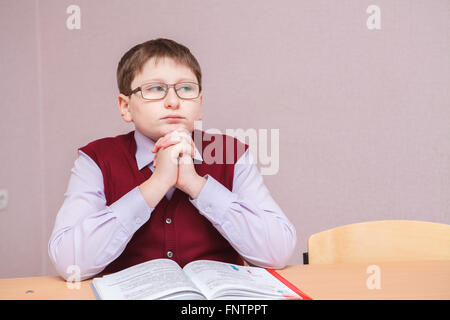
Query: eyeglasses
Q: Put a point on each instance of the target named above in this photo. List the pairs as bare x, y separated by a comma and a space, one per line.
158, 90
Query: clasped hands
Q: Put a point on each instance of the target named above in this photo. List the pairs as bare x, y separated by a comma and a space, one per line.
174, 163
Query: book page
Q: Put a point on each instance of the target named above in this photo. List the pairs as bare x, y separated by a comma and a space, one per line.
220, 280
153, 279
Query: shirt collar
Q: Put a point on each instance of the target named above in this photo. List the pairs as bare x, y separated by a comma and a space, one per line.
144, 146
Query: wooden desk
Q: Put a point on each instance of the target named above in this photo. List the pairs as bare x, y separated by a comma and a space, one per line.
399, 280
422, 280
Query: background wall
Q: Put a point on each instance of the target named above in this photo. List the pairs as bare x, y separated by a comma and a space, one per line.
363, 114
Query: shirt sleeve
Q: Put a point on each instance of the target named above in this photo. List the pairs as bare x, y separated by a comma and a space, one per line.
88, 234
248, 217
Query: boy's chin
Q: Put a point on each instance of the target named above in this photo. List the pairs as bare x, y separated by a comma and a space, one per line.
172, 127
155, 135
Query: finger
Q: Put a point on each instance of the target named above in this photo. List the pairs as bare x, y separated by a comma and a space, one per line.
185, 134
156, 146
174, 140
174, 137
189, 147
192, 144
181, 133
166, 142
180, 149
169, 142
193, 149
184, 160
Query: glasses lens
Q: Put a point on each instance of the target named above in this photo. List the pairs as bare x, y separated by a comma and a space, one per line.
187, 90
154, 91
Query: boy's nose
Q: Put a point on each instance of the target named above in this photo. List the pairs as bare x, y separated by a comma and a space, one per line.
172, 100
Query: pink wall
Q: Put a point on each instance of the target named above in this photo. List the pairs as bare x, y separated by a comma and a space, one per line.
23, 223
363, 114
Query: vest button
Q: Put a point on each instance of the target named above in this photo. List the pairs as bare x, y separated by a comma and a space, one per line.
169, 254
168, 221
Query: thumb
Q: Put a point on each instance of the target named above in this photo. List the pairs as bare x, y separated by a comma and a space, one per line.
185, 159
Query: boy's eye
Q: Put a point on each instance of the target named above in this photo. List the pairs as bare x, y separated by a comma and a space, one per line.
154, 88
185, 88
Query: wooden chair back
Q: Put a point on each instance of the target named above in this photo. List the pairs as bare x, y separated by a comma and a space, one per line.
387, 240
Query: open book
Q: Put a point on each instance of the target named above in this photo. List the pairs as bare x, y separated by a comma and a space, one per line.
202, 279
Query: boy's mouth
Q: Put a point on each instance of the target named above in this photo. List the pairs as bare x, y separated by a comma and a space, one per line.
172, 117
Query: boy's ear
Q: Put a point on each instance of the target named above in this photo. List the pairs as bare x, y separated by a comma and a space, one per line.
124, 107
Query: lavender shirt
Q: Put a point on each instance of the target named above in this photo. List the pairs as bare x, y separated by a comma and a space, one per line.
90, 235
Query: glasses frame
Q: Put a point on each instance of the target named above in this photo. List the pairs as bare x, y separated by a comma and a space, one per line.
167, 91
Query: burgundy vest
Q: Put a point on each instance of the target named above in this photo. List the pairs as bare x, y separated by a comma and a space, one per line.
189, 235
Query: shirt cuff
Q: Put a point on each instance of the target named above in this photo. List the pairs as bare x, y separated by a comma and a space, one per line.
214, 200
132, 210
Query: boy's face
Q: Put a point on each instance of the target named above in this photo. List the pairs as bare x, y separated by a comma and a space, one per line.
150, 117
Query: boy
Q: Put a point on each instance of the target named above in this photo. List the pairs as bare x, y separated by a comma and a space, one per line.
140, 196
